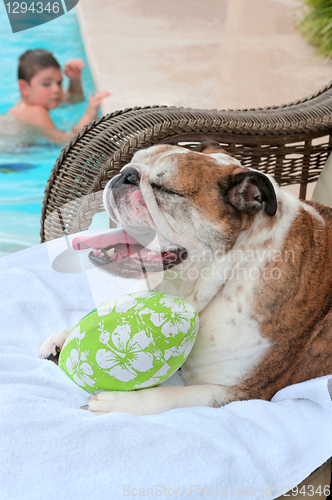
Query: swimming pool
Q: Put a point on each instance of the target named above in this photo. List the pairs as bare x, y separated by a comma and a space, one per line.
24, 170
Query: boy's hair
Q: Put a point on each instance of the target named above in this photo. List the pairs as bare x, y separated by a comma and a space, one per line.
32, 61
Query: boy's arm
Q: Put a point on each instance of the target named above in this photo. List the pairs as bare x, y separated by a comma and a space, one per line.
56, 136
73, 69
92, 110
39, 118
60, 136
42, 120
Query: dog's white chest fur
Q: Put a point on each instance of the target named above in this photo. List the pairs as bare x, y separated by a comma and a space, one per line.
228, 345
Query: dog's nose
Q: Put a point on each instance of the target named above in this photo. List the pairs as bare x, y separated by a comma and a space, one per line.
128, 176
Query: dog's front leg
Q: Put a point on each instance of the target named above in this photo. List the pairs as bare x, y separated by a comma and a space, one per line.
159, 399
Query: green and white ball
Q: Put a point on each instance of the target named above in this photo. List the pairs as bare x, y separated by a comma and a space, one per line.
130, 342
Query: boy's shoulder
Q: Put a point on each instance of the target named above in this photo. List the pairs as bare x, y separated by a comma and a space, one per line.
35, 114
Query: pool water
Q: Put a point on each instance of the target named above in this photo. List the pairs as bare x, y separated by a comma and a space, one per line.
24, 170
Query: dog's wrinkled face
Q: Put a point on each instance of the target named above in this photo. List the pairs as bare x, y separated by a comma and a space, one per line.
175, 202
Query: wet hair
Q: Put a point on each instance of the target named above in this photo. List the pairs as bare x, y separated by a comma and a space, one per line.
32, 61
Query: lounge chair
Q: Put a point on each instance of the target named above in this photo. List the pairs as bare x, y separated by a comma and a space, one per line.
291, 142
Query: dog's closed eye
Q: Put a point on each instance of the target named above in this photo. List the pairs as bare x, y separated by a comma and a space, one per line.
163, 189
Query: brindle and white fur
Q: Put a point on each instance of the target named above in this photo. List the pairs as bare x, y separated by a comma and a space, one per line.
265, 322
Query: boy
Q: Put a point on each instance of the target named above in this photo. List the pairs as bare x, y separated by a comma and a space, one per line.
40, 83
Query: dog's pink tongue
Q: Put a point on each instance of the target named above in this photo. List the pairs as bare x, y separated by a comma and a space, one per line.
103, 240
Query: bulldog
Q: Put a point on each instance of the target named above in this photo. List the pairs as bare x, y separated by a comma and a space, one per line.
255, 262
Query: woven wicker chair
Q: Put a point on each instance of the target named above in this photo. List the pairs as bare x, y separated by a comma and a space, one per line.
291, 142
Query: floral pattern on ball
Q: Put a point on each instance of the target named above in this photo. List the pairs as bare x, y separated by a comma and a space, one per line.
131, 342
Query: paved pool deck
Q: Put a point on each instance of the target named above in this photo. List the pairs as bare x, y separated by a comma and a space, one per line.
224, 54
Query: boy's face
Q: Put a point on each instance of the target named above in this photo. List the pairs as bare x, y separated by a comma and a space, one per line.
45, 88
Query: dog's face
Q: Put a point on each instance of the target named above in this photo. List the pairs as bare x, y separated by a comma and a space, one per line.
194, 202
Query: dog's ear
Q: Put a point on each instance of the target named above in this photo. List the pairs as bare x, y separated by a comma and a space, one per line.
209, 147
247, 191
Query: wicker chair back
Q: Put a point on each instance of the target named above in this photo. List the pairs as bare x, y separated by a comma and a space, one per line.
291, 142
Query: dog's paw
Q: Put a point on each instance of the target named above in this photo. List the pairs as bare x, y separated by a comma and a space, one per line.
140, 402
111, 401
149, 401
51, 348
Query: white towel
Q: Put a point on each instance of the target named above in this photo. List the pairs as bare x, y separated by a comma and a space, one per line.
50, 449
